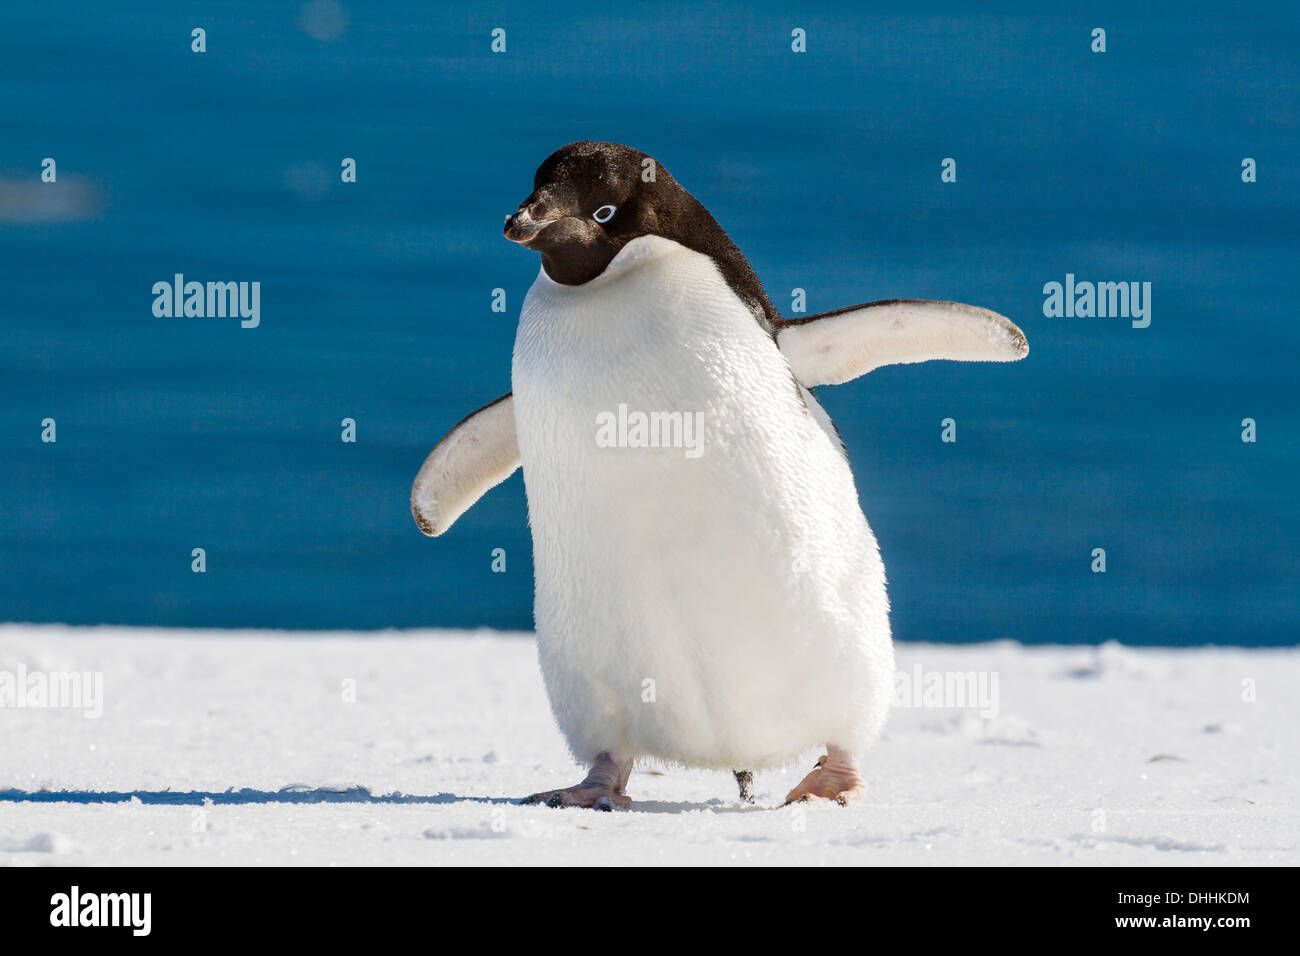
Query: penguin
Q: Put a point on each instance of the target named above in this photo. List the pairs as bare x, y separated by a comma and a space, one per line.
708, 597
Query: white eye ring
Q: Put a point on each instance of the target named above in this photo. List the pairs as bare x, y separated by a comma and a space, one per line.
608, 211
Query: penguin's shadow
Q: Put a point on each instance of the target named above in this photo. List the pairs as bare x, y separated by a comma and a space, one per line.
716, 806
291, 795
295, 795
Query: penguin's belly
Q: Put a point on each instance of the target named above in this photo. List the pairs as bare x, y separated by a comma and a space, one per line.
708, 591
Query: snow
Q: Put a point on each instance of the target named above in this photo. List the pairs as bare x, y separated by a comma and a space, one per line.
239, 748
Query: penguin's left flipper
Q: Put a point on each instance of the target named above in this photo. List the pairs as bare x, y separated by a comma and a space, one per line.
473, 458
836, 347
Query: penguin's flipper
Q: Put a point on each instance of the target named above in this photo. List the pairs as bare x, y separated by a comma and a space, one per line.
474, 457
836, 347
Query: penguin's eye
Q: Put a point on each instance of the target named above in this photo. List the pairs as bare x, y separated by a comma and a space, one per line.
604, 214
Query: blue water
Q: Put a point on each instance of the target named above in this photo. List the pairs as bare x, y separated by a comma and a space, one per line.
177, 433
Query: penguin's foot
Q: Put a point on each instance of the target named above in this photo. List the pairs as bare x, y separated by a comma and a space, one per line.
745, 780
602, 789
835, 778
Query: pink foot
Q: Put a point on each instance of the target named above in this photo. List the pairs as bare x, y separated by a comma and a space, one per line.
835, 778
602, 789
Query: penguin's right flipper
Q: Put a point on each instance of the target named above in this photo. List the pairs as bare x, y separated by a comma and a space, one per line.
836, 347
474, 457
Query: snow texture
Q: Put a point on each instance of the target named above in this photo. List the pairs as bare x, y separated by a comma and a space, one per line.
242, 748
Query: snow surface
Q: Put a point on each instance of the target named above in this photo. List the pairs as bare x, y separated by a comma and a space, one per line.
237, 748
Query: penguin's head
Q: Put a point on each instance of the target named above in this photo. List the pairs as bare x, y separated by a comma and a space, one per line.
591, 199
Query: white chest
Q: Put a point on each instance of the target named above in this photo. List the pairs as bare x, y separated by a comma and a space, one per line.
663, 438
693, 525
648, 393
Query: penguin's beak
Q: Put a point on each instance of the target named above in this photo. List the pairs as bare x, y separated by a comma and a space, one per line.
522, 227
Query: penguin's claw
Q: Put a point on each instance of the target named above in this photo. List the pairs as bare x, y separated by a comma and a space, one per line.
596, 798
602, 789
835, 778
745, 780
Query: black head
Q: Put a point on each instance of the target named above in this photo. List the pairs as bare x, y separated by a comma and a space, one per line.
591, 199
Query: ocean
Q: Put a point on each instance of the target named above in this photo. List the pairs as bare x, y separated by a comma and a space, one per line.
827, 168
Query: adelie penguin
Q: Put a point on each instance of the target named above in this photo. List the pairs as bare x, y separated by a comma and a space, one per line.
726, 610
